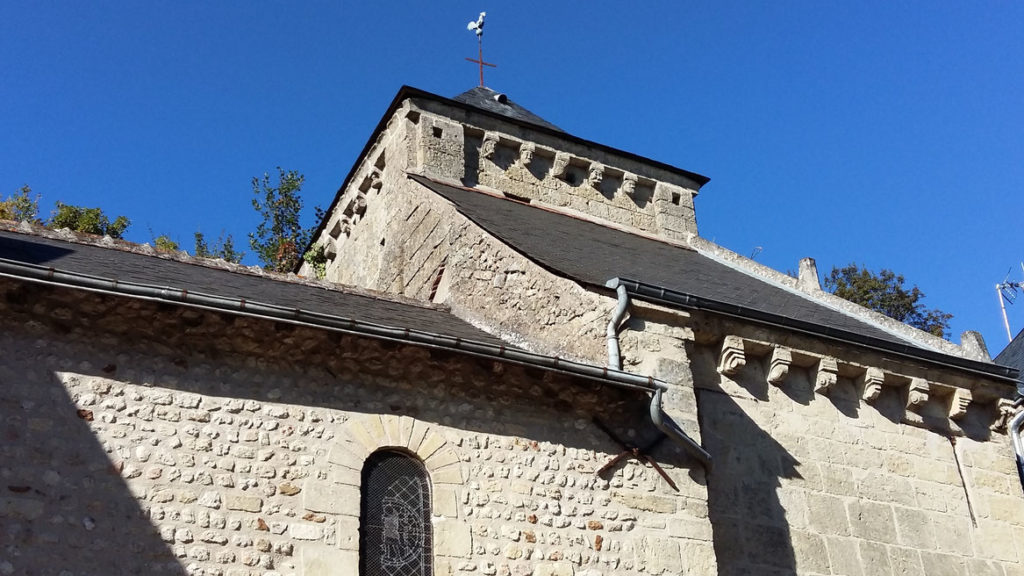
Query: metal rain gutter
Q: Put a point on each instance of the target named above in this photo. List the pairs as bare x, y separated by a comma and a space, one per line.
51, 276
674, 299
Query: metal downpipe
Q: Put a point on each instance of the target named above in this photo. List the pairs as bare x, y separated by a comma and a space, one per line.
614, 356
658, 417
1014, 429
678, 436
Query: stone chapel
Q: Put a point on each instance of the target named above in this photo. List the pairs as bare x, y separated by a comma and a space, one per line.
516, 356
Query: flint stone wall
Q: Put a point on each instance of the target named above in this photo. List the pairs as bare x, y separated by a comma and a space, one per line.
145, 438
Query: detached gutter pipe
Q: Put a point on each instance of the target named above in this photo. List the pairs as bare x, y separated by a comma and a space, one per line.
658, 417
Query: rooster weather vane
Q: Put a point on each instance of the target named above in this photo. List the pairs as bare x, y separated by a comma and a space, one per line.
478, 27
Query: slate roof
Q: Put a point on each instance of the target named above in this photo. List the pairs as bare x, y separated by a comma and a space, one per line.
485, 99
1013, 354
592, 254
126, 266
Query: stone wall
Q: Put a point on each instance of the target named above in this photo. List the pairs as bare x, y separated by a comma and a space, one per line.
147, 438
810, 483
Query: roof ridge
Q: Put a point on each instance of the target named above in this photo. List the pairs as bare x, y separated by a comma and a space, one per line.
903, 331
182, 256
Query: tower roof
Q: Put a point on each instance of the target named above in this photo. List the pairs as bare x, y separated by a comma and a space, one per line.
486, 99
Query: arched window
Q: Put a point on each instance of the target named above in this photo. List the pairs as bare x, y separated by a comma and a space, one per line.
394, 531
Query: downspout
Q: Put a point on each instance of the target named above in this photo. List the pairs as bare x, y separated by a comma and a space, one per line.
1014, 429
658, 417
614, 357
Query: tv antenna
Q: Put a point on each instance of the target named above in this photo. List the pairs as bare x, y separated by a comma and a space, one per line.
1006, 291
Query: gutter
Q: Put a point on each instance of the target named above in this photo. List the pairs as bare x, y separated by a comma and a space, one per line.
658, 417
240, 306
674, 299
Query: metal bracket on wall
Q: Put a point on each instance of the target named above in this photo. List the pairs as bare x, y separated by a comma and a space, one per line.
628, 451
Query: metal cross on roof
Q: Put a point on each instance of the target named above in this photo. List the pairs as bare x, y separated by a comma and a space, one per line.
478, 27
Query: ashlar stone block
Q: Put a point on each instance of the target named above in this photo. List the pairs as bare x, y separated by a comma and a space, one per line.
326, 561
453, 538
320, 496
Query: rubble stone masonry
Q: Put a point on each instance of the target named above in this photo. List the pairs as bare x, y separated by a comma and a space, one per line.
195, 442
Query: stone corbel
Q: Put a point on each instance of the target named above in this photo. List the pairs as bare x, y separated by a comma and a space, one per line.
733, 358
560, 164
958, 403
358, 204
595, 175
330, 248
827, 375
526, 150
778, 366
1006, 411
629, 184
375, 179
917, 394
489, 145
872, 382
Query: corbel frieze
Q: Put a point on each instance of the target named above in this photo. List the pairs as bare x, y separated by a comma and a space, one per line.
827, 375
732, 358
595, 175
376, 181
489, 145
526, 150
872, 381
1005, 409
629, 181
778, 366
560, 164
917, 395
959, 402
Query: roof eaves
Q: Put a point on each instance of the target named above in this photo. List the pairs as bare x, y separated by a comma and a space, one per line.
674, 299
243, 307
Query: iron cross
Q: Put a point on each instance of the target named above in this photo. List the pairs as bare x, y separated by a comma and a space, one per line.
478, 27
634, 452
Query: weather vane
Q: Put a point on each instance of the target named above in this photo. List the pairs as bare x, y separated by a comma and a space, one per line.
478, 27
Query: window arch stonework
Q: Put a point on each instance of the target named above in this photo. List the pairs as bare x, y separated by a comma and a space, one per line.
335, 488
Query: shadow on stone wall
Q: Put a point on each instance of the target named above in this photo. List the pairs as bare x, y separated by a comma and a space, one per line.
751, 532
64, 508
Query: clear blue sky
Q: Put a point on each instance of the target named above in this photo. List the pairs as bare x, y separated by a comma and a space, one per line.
883, 133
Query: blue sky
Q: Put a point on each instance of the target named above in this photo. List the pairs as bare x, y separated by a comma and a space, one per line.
883, 133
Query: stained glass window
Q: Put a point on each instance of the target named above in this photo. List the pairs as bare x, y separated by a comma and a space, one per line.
395, 532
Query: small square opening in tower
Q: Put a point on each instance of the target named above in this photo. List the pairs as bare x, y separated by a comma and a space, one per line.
676, 198
438, 131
